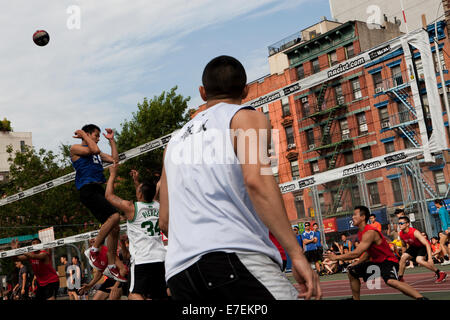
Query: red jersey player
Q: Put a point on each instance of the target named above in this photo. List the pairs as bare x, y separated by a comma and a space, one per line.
415, 245
46, 276
372, 245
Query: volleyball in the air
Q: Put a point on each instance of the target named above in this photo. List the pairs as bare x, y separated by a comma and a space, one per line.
41, 38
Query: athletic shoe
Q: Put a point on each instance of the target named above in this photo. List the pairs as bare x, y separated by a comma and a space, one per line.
95, 260
446, 262
114, 273
442, 277
401, 279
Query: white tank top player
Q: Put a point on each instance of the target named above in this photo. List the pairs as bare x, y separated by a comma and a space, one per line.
146, 245
229, 223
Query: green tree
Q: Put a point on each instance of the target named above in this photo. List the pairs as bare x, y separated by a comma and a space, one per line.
154, 118
58, 207
5, 125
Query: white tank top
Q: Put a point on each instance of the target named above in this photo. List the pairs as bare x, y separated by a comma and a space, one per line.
209, 207
146, 245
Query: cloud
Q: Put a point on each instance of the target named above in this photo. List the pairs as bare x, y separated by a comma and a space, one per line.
98, 73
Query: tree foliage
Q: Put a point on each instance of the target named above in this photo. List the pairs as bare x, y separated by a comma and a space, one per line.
154, 118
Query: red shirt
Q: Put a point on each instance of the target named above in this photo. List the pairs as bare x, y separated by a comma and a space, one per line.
278, 245
381, 252
410, 239
44, 272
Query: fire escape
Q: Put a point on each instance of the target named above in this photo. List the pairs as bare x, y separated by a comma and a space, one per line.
325, 113
402, 124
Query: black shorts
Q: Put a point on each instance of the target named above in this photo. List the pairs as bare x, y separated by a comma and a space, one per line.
48, 291
417, 252
148, 280
92, 195
220, 276
319, 252
107, 284
312, 256
386, 270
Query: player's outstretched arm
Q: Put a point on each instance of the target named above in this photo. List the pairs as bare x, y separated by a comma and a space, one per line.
114, 157
127, 207
164, 203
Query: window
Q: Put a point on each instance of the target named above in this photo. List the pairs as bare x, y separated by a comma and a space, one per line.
332, 58
310, 138
362, 123
374, 196
384, 117
357, 94
397, 190
315, 65
441, 57
439, 180
349, 51
22, 146
397, 76
265, 110
294, 170
403, 112
300, 72
289, 135
277, 178
366, 153
348, 156
285, 106
408, 143
305, 106
299, 205
345, 132
389, 147
314, 166
377, 81
356, 196
419, 68
340, 99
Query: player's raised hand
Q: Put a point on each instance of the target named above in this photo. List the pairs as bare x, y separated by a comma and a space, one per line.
109, 134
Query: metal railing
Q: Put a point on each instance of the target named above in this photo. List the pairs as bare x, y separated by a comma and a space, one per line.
285, 43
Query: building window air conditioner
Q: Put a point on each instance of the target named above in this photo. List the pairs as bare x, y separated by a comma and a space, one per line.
291, 146
304, 99
346, 136
312, 146
378, 89
385, 124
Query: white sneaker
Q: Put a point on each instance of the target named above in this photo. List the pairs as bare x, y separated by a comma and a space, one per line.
446, 262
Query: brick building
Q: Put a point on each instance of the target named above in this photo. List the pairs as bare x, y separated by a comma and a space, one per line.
362, 114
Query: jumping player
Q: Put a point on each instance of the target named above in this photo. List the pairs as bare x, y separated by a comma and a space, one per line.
415, 245
87, 159
145, 243
372, 245
218, 213
46, 276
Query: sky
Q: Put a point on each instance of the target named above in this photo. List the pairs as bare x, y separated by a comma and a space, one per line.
105, 56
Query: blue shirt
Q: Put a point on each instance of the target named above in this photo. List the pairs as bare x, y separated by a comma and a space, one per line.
88, 169
309, 236
317, 235
445, 220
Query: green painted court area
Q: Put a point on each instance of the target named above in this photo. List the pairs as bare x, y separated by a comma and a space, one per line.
337, 287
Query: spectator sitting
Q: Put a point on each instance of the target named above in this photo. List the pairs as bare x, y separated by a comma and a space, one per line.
331, 267
438, 255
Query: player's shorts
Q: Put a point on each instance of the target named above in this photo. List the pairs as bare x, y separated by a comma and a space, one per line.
417, 252
47, 291
319, 252
149, 280
312, 256
92, 195
220, 276
365, 270
107, 284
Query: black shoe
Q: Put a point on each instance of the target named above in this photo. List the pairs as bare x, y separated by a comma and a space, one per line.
423, 298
